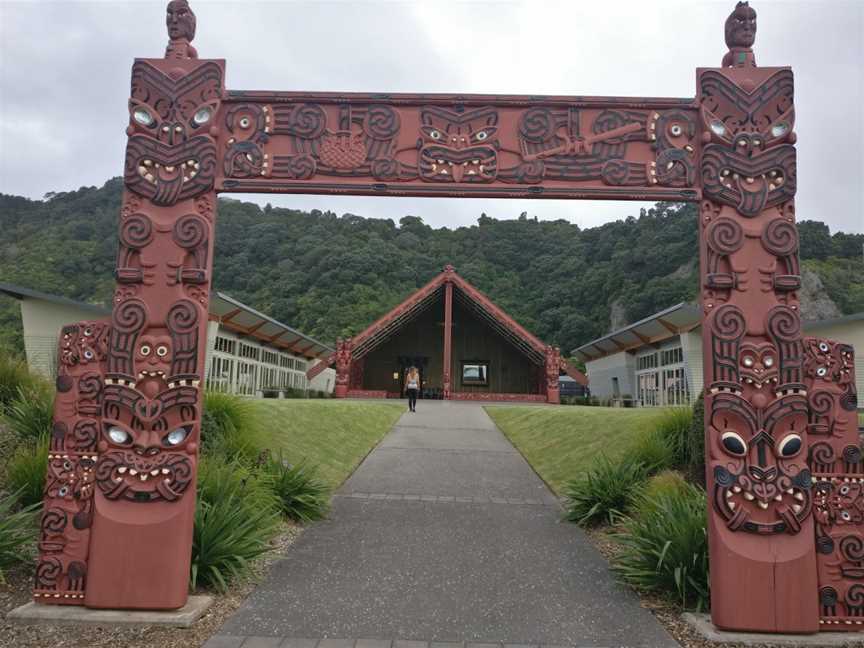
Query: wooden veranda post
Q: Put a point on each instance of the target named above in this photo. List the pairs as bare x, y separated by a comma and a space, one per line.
448, 331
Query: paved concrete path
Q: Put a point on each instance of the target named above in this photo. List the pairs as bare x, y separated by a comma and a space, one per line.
443, 534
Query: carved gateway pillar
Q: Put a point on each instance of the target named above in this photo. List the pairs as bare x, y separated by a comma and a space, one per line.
763, 567
147, 418
553, 374
448, 334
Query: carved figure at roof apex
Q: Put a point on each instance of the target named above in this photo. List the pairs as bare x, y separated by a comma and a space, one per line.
449, 269
740, 36
180, 20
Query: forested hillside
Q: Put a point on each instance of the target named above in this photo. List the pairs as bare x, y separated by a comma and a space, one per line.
330, 275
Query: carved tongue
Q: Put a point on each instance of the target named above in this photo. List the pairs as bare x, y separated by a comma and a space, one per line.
168, 189
150, 386
754, 194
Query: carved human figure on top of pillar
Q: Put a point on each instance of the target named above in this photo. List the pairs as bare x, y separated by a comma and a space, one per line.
740, 36
180, 20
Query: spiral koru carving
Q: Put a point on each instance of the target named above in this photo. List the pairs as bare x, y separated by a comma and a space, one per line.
381, 122
821, 402
190, 231
85, 435
852, 454
852, 548
822, 453
183, 317
828, 596
784, 324
728, 323
129, 317
724, 236
780, 238
48, 572
136, 231
386, 169
307, 121
855, 597
537, 125
302, 167
616, 172
54, 521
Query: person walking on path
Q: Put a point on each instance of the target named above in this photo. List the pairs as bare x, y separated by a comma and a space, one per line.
412, 387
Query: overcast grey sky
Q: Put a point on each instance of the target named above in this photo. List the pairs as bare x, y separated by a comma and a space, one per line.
64, 78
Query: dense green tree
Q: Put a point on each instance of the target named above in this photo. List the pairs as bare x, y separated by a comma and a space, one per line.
331, 275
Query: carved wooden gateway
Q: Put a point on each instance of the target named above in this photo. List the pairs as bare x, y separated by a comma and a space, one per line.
785, 477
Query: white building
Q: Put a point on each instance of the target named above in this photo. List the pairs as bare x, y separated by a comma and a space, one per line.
248, 353
657, 361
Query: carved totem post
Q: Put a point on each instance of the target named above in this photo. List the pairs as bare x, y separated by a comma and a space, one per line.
763, 569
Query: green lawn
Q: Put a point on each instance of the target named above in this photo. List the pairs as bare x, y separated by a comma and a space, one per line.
335, 435
561, 442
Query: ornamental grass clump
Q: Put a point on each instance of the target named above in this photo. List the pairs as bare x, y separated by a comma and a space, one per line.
604, 493
664, 544
232, 427
25, 471
674, 425
235, 518
229, 534
650, 448
302, 496
29, 415
17, 532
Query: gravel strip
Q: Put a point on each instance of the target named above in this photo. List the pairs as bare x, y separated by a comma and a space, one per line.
16, 591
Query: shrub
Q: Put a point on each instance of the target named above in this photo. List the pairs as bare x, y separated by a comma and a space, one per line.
25, 473
30, 414
696, 458
664, 546
229, 533
302, 496
231, 426
219, 478
17, 530
15, 377
650, 448
668, 483
674, 426
605, 492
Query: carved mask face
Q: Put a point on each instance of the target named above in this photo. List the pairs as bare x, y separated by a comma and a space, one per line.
170, 155
69, 478
757, 364
180, 20
153, 353
84, 343
458, 147
836, 502
148, 444
741, 26
762, 483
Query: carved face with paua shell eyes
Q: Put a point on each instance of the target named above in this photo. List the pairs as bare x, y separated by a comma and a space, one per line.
836, 502
741, 26
757, 364
458, 147
147, 443
762, 482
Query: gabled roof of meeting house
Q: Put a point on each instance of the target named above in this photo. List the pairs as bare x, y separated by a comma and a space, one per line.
466, 294
232, 315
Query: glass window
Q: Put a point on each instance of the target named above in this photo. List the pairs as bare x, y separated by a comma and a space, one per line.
475, 373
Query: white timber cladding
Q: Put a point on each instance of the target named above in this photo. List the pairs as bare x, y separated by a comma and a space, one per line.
243, 366
691, 344
42, 321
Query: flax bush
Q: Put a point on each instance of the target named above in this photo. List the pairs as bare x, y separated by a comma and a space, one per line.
605, 492
231, 426
302, 496
664, 544
17, 531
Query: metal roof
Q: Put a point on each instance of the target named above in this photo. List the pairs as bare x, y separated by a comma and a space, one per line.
651, 330
233, 315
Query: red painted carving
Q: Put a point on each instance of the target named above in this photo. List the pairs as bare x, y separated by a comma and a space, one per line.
121, 479
838, 475
763, 570
67, 517
343, 367
448, 331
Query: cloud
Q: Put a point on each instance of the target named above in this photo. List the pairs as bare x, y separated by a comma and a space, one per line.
64, 78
